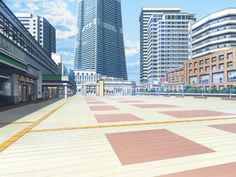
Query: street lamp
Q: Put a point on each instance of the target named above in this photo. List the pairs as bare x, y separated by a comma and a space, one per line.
230, 91
202, 90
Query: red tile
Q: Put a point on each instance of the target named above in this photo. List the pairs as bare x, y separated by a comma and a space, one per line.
131, 101
227, 127
153, 105
152, 145
95, 102
103, 108
225, 170
116, 118
194, 113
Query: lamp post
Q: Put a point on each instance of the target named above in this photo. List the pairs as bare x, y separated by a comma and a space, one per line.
202, 91
183, 90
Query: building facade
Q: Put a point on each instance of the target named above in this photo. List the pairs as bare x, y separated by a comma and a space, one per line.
176, 79
146, 13
90, 83
99, 43
40, 29
215, 32
26, 71
22, 63
168, 43
164, 41
217, 69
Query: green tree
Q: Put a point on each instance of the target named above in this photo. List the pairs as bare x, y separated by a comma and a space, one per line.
233, 90
188, 89
214, 89
198, 90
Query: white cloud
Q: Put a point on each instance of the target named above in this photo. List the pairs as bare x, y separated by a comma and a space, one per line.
131, 48
57, 12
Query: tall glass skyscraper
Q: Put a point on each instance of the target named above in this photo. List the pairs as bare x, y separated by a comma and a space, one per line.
99, 43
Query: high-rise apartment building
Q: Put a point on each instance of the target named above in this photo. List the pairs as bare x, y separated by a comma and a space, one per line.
99, 43
146, 13
41, 30
167, 41
213, 33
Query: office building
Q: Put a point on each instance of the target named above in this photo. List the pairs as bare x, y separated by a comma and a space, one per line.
213, 33
40, 29
99, 44
217, 69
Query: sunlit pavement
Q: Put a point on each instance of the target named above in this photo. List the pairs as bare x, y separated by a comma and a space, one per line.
120, 137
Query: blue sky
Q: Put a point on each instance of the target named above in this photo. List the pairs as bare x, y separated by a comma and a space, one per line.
62, 14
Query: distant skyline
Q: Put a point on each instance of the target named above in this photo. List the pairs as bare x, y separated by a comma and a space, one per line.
62, 14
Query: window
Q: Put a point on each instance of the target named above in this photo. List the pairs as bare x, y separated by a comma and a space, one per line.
230, 56
201, 62
230, 64
218, 78
213, 67
195, 71
221, 66
201, 70
207, 68
207, 61
213, 59
190, 65
204, 79
221, 57
195, 64
232, 76
190, 72
193, 80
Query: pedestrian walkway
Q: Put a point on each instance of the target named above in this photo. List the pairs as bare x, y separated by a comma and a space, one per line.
139, 136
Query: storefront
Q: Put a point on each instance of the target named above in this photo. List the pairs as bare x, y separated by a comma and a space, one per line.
26, 89
57, 86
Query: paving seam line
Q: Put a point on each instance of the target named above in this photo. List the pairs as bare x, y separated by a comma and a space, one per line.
21, 133
132, 124
9, 123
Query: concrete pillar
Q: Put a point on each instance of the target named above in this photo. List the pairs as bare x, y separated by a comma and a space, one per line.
44, 92
14, 89
66, 91
100, 88
39, 86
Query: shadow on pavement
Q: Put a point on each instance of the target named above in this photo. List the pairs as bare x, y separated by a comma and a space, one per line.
17, 113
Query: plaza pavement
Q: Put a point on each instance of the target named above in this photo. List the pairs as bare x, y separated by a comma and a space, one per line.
140, 136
